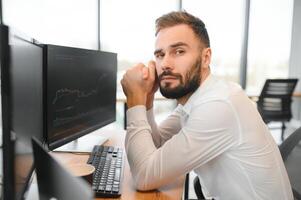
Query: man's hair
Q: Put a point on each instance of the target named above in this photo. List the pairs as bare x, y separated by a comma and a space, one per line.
182, 17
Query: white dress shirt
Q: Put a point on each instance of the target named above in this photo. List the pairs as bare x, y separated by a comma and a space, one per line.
220, 135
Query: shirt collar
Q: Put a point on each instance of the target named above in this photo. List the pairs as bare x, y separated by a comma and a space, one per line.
186, 108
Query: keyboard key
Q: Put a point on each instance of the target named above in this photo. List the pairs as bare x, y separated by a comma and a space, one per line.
117, 174
108, 187
115, 189
102, 187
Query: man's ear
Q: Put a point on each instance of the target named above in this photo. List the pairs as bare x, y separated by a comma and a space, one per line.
206, 57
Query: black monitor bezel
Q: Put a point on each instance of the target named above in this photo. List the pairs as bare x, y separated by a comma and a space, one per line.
9, 138
8, 144
62, 141
16, 34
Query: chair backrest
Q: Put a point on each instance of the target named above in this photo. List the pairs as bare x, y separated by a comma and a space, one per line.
275, 99
278, 88
291, 155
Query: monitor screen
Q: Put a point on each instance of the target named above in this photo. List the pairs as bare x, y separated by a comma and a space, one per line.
81, 92
26, 89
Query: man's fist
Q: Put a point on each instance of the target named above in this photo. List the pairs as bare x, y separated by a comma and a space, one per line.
139, 82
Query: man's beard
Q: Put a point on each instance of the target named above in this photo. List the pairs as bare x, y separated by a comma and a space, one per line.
192, 82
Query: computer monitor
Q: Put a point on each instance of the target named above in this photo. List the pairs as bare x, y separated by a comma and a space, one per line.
7, 153
26, 69
55, 182
25, 111
81, 92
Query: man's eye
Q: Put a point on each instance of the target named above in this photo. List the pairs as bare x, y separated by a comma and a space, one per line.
179, 51
159, 55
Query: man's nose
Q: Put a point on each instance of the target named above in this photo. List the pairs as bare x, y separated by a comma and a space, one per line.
167, 63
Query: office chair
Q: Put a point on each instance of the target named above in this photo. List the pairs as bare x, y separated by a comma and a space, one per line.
274, 102
291, 155
197, 188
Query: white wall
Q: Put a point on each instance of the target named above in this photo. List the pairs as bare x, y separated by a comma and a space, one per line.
61, 22
295, 57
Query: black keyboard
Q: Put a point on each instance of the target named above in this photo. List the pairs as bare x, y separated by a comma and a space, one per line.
108, 163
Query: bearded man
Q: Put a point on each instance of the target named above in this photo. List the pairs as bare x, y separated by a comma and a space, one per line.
215, 130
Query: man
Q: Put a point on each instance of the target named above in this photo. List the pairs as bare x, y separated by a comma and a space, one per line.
215, 129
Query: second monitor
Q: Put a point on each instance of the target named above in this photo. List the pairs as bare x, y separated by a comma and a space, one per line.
80, 92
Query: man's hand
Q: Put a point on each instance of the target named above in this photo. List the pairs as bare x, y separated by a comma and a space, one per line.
152, 74
138, 84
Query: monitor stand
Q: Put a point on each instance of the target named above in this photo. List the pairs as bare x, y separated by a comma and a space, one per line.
83, 144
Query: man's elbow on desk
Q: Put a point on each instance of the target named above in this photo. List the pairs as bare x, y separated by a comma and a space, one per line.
143, 182
140, 182
142, 185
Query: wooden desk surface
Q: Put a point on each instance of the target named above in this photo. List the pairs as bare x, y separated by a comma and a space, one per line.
116, 138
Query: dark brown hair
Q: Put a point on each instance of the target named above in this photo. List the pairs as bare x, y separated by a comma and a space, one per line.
182, 17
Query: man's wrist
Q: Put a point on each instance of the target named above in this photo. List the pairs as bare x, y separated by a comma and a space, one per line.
135, 100
149, 101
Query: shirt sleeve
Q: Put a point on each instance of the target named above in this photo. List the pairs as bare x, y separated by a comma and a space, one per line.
166, 129
211, 129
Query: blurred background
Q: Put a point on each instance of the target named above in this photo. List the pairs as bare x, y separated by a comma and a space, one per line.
251, 40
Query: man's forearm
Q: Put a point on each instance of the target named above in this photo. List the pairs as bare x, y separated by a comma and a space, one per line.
149, 101
136, 99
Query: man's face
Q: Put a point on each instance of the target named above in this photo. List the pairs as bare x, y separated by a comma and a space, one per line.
178, 61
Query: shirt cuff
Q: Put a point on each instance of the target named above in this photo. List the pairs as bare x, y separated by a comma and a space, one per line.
136, 113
